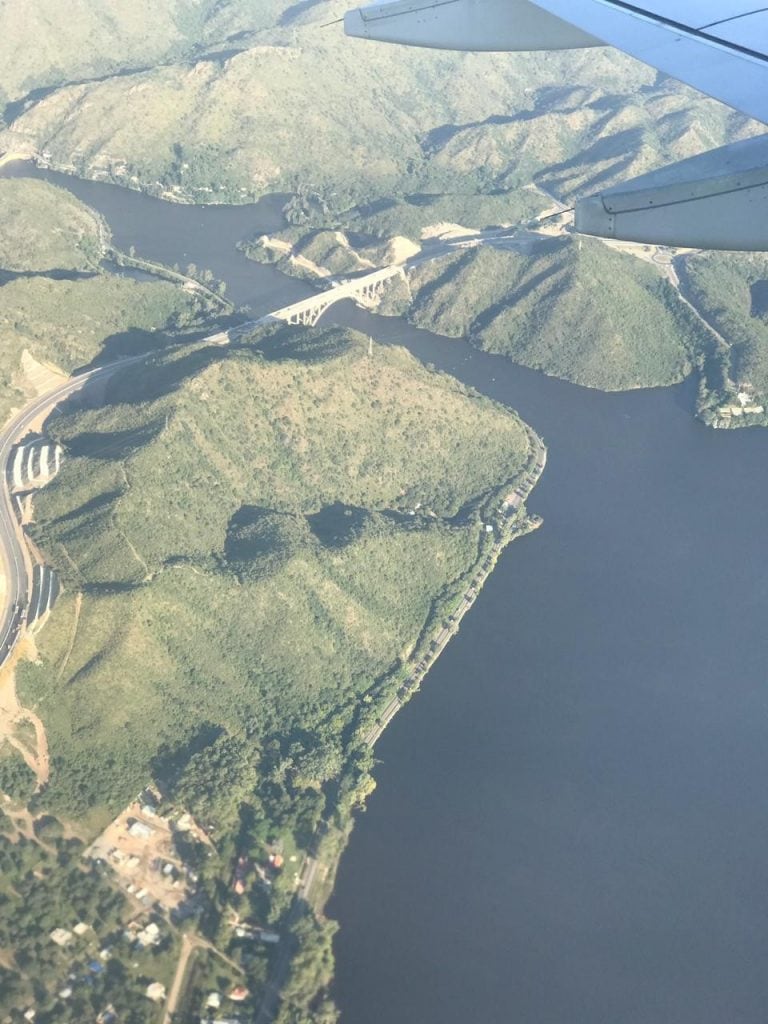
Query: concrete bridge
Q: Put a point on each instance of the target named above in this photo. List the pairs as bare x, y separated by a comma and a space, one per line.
363, 289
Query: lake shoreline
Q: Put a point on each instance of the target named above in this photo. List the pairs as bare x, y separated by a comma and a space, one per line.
559, 776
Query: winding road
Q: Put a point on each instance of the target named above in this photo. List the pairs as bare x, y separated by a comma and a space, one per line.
14, 556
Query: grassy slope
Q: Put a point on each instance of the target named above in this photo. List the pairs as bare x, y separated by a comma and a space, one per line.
389, 119
69, 322
151, 495
45, 228
391, 217
580, 311
82, 39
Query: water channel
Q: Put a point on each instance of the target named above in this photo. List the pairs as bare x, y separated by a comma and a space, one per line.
571, 820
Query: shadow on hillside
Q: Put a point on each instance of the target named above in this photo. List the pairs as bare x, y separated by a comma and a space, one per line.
545, 283
6, 276
436, 139
138, 383
107, 588
261, 540
618, 151
451, 266
170, 761
338, 525
151, 380
296, 10
556, 99
98, 504
157, 377
113, 444
759, 294
167, 368
312, 345
135, 341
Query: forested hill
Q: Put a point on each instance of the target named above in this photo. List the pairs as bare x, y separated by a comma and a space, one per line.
325, 526
379, 120
83, 40
258, 543
575, 309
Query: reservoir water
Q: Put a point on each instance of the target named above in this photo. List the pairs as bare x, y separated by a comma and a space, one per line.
571, 821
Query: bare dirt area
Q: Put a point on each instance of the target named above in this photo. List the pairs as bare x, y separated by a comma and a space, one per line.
36, 378
13, 715
445, 230
139, 847
401, 249
33, 379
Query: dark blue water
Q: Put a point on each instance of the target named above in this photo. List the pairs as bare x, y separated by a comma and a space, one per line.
571, 821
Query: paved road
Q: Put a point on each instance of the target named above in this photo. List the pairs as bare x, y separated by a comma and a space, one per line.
14, 557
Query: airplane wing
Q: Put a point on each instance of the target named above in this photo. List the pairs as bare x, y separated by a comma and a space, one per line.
720, 47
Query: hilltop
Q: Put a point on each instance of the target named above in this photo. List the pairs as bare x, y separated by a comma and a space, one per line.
83, 40
235, 126
243, 592
575, 309
188, 526
46, 228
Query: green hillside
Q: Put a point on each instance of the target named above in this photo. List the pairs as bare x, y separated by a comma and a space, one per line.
731, 291
576, 309
190, 528
253, 540
46, 228
308, 109
57, 303
86, 40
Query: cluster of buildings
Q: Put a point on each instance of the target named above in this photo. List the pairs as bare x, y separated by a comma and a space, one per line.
139, 846
214, 1001
80, 939
745, 405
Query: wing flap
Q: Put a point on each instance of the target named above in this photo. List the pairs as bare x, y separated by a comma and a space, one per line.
749, 33
465, 25
715, 200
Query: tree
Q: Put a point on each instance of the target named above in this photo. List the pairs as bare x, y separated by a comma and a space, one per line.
217, 779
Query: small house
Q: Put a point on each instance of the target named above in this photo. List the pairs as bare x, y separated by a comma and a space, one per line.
140, 830
156, 992
61, 936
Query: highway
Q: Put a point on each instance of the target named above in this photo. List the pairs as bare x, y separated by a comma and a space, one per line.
14, 556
